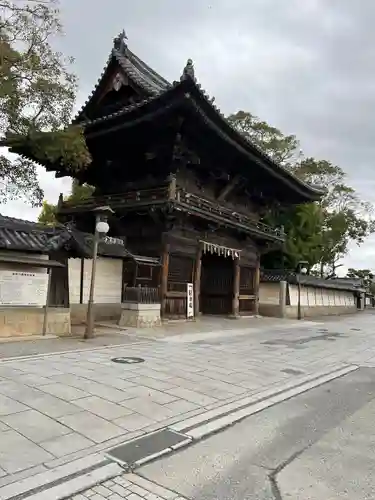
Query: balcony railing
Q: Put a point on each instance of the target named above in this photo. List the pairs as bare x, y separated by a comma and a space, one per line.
209, 207
129, 198
182, 200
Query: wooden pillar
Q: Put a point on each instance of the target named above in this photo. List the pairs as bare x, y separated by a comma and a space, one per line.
164, 279
236, 288
256, 286
197, 280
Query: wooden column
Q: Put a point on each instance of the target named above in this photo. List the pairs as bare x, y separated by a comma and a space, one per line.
197, 280
164, 279
256, 286
236, 288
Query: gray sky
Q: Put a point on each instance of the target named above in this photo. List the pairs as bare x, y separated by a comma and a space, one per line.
305, 66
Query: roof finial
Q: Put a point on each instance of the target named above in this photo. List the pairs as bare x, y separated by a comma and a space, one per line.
188, 71
119, 41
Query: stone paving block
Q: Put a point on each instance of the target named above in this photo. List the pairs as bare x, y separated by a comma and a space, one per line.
18, 453
64, 445
134, 422
9, 406
148, 408
181, 406
102, 490
103, 408
115, 382
64, 391
35, 426
153, 383
192, 396
120, 490
91, 426
32, 380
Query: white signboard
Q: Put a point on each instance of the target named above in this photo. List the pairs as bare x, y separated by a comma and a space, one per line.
18, 288
190, 300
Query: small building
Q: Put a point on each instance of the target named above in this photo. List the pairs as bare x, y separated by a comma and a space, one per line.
185, 186
25, 266
41, 266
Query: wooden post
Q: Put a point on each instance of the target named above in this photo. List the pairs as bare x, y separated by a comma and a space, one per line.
236, 288
256, 286
164, 279
197, 280
48, 298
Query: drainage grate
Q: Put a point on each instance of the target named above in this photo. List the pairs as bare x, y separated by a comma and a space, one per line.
149, 446
290, 371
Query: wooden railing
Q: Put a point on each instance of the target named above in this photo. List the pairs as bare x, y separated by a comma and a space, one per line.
210, 207
141, 295
130, 198
175, 194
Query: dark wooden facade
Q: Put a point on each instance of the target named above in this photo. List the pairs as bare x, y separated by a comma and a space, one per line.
184, 185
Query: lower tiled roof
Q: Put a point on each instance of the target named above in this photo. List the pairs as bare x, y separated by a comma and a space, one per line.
270, 275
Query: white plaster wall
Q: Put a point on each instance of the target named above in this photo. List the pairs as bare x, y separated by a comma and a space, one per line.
74, 273
108, 280
269, 293
311, 296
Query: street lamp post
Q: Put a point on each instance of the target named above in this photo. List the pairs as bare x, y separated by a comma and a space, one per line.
101, 227
302, 268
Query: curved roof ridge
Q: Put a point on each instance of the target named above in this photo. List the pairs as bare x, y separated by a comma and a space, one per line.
136, 69
189, 73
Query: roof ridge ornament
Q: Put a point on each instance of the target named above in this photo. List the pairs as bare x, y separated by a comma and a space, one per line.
119, 42
188, 71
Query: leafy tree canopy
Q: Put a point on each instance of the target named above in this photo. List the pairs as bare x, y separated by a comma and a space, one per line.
37, 93
47, 215
319, 233
366, 275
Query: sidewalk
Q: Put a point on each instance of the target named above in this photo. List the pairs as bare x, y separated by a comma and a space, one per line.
57, 408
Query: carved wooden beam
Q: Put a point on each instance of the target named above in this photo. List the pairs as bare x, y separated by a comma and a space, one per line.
228, 188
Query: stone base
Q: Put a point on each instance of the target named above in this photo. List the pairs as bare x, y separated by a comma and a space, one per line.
291, 312
140, 315
102, 312
28, 321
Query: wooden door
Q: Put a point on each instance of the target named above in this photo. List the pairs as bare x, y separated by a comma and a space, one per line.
216, 284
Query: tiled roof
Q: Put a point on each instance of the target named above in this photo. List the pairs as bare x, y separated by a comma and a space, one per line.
21, 235
276, 276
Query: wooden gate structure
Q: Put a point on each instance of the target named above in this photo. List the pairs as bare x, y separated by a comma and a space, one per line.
185, 186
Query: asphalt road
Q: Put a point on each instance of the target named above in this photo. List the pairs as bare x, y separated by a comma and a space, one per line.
319, 445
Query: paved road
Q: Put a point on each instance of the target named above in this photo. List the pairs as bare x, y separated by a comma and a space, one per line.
319, 445
60, 407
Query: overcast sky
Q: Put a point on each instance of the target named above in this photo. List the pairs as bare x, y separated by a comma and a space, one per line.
305, 66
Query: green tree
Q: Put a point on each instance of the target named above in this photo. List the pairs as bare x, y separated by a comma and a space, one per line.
48, 213
317, 232
364, 274
37, 93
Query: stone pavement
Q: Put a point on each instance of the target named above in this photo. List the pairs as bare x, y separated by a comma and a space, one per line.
60, 407
129, 486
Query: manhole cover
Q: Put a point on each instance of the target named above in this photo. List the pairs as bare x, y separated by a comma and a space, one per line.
291, 371
128, 361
